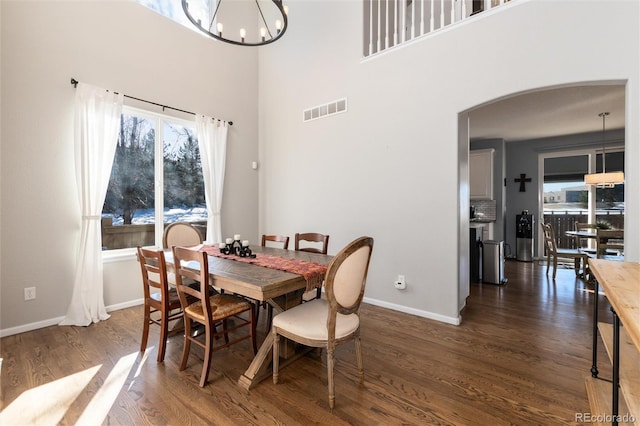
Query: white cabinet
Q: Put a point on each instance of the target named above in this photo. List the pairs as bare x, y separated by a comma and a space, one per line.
481, 174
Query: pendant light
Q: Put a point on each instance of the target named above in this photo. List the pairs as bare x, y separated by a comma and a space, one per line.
604, 179
257, 22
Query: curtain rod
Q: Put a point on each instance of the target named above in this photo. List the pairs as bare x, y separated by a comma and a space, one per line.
75, 82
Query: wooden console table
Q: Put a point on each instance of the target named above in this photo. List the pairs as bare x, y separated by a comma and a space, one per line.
620, 282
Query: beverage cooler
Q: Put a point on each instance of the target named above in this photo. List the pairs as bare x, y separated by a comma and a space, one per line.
524, 236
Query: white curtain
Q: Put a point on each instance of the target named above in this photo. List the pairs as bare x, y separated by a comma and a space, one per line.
212, 141
97, 120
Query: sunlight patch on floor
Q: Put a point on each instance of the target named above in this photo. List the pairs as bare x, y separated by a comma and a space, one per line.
96, 411
48, 403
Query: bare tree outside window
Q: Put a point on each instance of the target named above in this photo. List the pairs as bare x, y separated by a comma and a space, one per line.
136, 190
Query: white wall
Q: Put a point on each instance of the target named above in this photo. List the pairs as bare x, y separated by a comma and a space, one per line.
122, 46
389, 167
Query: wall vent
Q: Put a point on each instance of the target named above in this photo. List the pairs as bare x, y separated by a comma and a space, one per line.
324, 110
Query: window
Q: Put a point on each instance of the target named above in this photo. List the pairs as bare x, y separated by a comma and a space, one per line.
156, 179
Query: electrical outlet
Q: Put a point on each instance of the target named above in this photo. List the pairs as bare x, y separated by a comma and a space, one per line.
400, 283
29, 293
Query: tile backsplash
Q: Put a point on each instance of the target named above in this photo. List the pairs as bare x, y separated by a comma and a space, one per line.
485, 209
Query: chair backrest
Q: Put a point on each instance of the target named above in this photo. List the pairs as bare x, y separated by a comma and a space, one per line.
346, 278
585, 226
154, 272
181, 234
609, 239
312, 237
192, 265
549, 238
276, 239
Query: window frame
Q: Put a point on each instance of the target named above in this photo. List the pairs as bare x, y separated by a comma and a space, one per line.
116, 255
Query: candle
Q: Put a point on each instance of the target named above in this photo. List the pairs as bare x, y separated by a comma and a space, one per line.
229, 240
222, 245
236, 237
245, 243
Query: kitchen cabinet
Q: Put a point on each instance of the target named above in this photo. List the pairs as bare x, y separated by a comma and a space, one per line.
481, 174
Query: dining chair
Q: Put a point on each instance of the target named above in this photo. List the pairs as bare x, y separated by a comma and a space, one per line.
181, 234
312, 242
610, 244
281, 240
554, 253
332, 321
165, 301
199, 307
583, 243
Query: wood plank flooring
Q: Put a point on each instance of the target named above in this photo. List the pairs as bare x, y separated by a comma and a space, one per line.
520, 357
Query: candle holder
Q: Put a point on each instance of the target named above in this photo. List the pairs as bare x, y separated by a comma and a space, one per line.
236, 248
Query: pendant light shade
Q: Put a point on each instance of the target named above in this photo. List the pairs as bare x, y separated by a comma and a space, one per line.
243, 23
604, 179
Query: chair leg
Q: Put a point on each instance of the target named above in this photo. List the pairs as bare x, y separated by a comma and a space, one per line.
187, 342
548, 262
330, 361
555, 266
208, 354
225, 328
164, 331
359, 359
276, 356
145, 328
576, 266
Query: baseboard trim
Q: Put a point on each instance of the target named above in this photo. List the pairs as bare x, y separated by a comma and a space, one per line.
55, 321
116, 307
418, 312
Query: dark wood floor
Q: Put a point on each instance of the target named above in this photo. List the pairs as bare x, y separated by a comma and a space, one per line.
520, 357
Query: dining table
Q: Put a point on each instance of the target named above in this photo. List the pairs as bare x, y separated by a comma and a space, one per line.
281, 289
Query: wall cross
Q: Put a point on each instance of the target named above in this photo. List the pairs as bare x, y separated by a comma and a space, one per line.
522, 180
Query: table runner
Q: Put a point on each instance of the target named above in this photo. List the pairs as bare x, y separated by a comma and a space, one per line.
312, 272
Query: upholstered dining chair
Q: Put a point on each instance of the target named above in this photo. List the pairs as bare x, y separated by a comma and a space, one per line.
554, 253
334, 320
181, 234
312, 242
165, 301
199, 307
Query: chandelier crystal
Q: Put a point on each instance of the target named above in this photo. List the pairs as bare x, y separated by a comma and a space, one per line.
239, 22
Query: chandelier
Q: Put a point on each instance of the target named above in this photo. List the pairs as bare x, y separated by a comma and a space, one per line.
604, 179
240, 22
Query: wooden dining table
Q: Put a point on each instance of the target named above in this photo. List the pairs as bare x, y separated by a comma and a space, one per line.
282, 290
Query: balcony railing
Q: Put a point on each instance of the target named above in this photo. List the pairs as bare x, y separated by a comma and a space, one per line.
389, 23
563, 221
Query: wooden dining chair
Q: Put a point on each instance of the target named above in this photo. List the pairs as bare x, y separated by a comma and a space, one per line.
554, 253
610, 244
583, 243
181, 234
312, 242
158, 298
334, 320
199, 307
281, 240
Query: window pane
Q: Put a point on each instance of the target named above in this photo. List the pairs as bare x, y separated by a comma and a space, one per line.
610, 201
183, 183
128, 212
